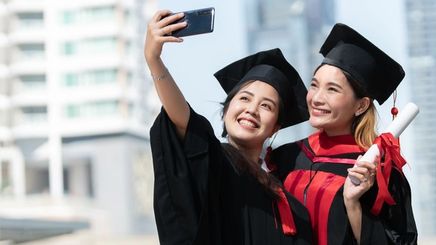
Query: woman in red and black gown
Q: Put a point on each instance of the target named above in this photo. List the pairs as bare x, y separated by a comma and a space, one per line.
317, 169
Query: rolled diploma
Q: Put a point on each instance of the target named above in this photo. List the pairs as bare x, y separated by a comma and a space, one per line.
396, 127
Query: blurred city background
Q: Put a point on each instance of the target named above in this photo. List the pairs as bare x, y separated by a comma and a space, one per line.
77, 102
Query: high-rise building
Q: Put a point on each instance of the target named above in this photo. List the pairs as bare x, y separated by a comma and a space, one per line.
73, 114
298, 28
421, 23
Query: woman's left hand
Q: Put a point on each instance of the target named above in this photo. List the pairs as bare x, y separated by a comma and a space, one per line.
365, 172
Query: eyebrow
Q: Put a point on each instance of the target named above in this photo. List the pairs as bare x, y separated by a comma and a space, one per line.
328, 83
265, 98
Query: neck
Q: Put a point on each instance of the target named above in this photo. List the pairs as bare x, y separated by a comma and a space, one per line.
252, 153
334, 132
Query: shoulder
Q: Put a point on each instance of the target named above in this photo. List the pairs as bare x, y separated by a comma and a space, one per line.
283, 158
196, 121
286, 152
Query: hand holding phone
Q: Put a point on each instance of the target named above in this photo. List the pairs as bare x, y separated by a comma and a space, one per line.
199, 21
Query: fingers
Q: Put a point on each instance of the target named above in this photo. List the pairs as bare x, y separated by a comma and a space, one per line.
168, 30
365, 168
160, 14
160, 26
362, 172
368, 165
168, 19
361, 177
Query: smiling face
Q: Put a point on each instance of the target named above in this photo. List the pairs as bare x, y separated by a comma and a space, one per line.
332, 102
252, 115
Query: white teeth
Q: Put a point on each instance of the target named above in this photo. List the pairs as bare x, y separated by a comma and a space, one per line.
321, 111
247, 123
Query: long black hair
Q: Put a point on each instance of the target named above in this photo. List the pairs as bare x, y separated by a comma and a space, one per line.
243, 163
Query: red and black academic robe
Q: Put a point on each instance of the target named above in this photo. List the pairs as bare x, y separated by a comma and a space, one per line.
200, 197
314, 171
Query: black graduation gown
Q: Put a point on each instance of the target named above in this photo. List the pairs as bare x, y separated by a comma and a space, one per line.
314, 171
199, 197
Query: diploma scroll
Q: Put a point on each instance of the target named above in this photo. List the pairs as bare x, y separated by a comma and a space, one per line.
397, 126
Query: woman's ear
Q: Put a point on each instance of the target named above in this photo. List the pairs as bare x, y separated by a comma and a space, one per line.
362, 106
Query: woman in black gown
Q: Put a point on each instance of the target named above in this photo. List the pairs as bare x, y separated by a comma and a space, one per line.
315, 170
208, 192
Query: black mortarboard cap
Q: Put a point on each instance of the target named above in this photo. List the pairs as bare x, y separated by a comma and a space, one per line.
374, 70
270, 67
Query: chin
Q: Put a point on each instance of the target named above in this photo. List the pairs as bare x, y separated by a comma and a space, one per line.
316, 124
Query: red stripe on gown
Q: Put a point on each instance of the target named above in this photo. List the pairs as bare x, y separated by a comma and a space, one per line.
319, 197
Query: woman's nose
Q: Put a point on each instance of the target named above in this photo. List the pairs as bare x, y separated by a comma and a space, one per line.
317, 96
251, 108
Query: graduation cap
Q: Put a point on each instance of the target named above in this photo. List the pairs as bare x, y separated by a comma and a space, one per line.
377, 73
270, 67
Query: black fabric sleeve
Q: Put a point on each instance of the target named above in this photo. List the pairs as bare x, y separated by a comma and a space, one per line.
395, 224
181, 170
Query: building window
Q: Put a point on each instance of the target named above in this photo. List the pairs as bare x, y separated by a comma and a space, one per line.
68, 17
88, 15
33, 82
92, 109
32, 114
71, 80
128, 16
104, 107
98, 45
30, 20
91, 78
69, 48
90, 46
72, 111
36, 81
98, 13
32, 50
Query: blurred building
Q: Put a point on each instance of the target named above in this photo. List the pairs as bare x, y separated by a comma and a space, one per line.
421, 22
298, 28
73, 116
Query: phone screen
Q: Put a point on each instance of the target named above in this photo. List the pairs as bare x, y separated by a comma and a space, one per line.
199, 21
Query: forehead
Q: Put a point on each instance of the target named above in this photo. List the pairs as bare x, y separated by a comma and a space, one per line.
331, 74
260, 88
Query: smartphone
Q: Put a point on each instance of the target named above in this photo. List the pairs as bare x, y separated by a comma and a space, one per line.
199, 21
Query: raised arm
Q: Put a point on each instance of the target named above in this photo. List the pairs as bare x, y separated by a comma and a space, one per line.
172, 99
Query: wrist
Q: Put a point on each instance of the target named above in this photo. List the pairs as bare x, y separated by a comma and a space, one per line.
160, 74
352, 203
151, 59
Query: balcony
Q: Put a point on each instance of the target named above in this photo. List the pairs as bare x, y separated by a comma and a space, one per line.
24, 6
